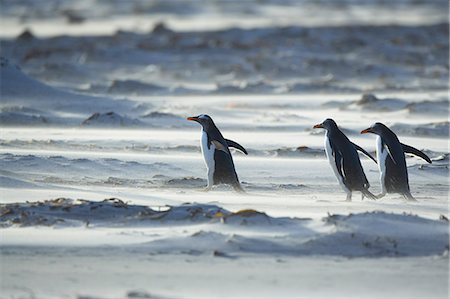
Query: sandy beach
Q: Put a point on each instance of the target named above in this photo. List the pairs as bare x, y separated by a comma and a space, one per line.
102, 176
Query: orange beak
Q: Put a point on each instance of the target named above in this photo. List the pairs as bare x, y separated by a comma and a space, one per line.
193, 118
366, 131
318, 126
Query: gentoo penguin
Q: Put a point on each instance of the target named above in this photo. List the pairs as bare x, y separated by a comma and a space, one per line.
218, 159
392, 162
344, 160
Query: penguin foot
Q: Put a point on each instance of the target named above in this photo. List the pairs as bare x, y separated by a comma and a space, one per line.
206, 189
381, 195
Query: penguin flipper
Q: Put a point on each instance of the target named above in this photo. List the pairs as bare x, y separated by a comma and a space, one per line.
236, 145
390, 154
358, 148
338, 159
416, 152
219, 146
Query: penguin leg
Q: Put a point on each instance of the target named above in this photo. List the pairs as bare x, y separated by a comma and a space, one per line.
210, 180
349, 196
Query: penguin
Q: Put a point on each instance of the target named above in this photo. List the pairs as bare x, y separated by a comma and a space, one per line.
344, 160
392, 162
215, 150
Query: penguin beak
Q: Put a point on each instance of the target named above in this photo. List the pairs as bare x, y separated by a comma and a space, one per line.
368, 130
318, 126
193, 118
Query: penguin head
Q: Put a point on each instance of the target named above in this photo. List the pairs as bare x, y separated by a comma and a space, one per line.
327, 124
203, 119
376, 128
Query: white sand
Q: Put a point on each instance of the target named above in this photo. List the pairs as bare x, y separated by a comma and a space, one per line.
91, 118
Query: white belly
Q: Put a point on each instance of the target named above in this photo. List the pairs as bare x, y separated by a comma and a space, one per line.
332, 162
382, 154
208, 155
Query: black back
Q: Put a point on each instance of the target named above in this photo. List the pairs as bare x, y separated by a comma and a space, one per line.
396, 178
347, 161
224, 171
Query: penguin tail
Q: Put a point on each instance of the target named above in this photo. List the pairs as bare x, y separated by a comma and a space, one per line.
369, 194
408, 196
238, 188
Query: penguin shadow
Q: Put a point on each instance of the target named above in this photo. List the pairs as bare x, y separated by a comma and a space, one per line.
222, 188
253, 190
241, 193
361, 200
271, 190
395, 198
388, 198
